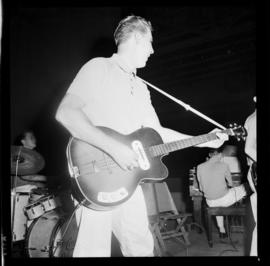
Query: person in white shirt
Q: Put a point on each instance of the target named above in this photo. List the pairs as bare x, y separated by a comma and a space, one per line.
106, 92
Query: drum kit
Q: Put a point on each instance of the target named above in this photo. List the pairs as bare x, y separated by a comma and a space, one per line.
37, 218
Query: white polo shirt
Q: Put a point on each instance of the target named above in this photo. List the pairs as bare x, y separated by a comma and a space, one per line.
114, 97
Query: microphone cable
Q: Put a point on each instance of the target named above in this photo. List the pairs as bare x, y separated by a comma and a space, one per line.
68, 224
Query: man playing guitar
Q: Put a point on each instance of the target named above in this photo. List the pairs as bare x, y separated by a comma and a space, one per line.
106, 92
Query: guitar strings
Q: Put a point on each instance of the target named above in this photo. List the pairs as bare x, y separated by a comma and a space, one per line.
154, 151
99, 164
107, 161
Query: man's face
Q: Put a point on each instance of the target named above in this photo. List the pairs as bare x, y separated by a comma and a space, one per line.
143, 49
29, 141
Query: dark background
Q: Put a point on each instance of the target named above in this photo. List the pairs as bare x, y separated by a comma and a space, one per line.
204, 56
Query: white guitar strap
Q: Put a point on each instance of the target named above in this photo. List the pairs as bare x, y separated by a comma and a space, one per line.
186, 106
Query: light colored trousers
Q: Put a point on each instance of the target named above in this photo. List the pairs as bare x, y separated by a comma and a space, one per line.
253, 202
233, 195
128, 222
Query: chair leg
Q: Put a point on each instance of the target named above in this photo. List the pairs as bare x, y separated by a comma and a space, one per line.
185, 235
227, 223
160, 247
157, 250
181, 228
209, 230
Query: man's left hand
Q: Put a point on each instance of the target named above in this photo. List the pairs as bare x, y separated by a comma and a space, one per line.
222, 137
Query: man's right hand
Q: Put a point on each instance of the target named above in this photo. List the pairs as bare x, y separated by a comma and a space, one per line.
124, 156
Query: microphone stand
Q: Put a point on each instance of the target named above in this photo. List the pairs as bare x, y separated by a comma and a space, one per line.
186, 106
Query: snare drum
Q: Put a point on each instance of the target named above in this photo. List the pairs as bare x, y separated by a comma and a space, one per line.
50, 203
52, 235
34, 210
41, 206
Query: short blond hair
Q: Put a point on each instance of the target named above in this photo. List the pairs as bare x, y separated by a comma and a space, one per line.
129, 25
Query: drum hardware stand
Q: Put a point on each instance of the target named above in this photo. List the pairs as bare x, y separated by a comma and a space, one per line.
186, 106
13, 195
69, 221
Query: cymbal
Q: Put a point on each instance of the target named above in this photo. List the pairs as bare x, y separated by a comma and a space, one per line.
34, 178
28, 161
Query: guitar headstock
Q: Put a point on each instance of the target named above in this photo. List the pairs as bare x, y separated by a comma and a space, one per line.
238, 131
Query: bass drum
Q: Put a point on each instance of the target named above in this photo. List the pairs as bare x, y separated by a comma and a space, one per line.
52, 235
18, 216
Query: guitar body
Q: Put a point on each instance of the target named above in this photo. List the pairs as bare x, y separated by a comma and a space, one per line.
99, 183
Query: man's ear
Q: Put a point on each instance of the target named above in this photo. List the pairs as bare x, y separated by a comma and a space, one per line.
23, 142
137, 37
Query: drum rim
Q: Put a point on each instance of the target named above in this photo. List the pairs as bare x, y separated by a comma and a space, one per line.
60, 223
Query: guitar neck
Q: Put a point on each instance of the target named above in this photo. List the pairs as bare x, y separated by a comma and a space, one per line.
166, 148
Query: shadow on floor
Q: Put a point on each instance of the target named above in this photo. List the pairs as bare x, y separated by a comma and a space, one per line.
233, 246
199, 246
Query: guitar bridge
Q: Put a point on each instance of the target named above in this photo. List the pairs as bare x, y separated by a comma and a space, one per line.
112, 197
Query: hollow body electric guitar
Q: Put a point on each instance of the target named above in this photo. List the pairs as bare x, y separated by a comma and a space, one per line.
99, 183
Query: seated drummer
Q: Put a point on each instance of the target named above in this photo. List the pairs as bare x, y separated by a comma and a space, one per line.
28, 140
215, 182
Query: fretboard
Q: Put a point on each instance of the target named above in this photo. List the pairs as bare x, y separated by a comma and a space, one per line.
166, 148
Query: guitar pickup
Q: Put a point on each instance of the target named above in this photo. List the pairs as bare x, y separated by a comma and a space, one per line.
143, 160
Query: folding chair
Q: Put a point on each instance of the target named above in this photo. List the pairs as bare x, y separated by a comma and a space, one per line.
161, 211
